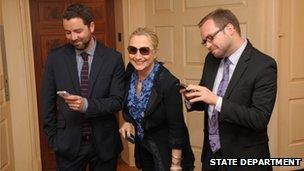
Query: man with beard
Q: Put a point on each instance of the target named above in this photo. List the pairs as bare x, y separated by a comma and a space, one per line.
83, 87
237, 93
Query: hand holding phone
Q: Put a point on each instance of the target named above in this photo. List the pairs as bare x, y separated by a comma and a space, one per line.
63, 94
130, 138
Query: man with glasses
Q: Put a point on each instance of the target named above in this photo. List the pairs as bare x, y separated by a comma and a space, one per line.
237, 93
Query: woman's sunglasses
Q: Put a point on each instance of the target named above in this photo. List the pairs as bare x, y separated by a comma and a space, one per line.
143, 50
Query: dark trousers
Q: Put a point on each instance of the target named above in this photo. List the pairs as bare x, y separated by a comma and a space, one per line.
149, 162
210, 155
87, 157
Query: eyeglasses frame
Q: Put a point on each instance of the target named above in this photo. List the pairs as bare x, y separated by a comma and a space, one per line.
139, 49
211, 37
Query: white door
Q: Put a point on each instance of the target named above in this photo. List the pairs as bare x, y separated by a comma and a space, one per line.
291, 71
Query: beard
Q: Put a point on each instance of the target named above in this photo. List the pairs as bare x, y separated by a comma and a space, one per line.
82, 44
219, 52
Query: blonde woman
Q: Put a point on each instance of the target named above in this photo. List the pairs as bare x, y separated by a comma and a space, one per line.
153, 105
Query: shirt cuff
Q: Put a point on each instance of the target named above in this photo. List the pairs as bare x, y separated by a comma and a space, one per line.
218, 105
85, 105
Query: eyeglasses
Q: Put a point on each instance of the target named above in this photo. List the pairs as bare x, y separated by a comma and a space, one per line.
210, 37
143, 50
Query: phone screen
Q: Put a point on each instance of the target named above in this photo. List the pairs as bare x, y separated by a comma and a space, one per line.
63, 93
183, 86
130, 138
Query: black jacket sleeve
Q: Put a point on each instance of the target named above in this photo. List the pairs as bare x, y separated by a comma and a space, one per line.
48, 99
174, 111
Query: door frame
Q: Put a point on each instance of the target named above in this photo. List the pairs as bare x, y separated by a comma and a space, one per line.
21, 76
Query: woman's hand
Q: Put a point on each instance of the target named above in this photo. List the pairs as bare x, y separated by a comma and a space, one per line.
176, 159
175, 167
126, 128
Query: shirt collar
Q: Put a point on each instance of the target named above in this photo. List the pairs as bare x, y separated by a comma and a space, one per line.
234, 58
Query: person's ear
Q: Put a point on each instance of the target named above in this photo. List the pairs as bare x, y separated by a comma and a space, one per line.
229, 29
155, 53
92, 26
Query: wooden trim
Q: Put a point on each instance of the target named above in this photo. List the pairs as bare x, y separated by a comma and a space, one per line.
24, 115
110, 37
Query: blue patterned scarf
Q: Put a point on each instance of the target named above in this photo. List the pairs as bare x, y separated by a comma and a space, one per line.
137, 106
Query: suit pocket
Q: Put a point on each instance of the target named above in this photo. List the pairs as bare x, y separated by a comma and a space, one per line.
61, 124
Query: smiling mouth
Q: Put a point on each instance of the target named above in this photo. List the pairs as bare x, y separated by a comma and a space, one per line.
139, 63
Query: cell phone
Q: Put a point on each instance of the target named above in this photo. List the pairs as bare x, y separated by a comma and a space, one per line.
183, 86
130, 138
63, 94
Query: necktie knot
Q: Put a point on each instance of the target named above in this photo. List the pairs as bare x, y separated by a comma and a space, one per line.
227, 61
84, 56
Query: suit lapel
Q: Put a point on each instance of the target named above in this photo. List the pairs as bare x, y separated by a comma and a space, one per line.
129, 71
239, 69
156, 96
70, 59
211, 72
153, 102
96, 65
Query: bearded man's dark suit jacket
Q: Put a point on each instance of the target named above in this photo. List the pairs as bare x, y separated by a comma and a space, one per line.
106, 92
247, 104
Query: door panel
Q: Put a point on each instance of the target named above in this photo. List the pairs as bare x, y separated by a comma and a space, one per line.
48, 33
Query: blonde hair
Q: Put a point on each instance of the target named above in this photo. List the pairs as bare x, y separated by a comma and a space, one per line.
144, 31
